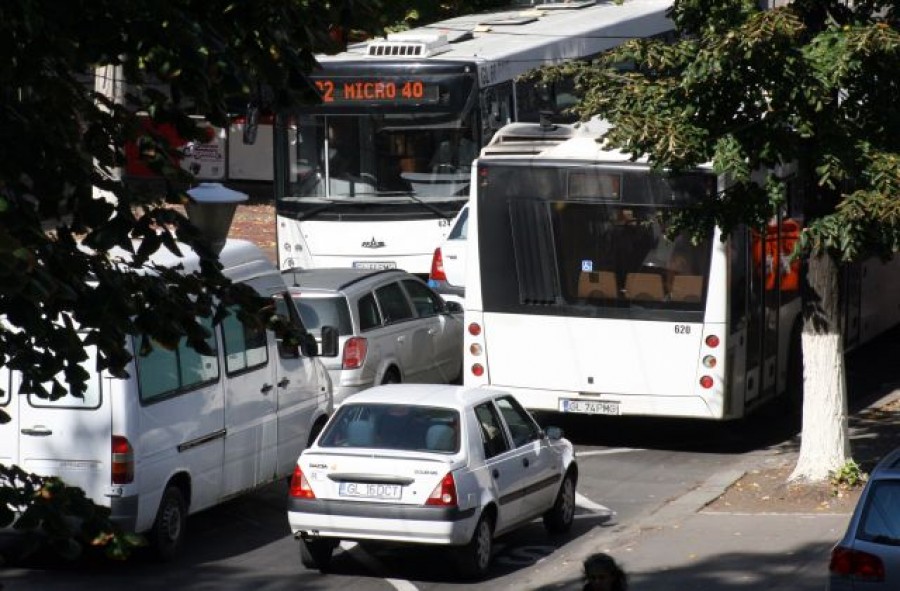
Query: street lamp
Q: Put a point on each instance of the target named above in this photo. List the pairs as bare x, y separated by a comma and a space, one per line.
211, 210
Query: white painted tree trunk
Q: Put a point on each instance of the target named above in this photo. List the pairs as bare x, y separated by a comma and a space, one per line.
824, 444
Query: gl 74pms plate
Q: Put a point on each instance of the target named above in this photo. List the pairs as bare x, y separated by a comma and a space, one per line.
590, 407
366, 490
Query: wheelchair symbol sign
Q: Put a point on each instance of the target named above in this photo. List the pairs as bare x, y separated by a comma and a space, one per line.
587, 266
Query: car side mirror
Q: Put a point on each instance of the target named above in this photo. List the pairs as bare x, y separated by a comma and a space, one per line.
453, 308
553, 433
308, 345
329, 345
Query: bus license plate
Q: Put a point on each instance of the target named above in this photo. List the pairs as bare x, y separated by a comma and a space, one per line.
591, 407
365, 490
377, 265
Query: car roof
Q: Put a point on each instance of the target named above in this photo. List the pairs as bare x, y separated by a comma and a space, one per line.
444, 395
338, 278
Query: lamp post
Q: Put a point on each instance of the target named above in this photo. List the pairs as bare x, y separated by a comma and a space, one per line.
211, 209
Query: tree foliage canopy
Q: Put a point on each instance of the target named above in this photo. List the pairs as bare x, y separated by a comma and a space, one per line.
812, 84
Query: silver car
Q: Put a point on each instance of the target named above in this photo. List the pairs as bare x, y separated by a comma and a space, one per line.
448, 264
868, 555
392, 327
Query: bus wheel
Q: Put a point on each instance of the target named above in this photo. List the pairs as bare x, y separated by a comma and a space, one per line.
168, 530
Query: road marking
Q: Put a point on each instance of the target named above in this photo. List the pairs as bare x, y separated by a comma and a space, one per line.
605, 452
585, 503
375, 566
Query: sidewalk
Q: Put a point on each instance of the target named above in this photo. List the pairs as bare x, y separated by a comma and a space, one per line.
686, 545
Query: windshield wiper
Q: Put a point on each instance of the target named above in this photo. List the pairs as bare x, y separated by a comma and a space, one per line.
429, 207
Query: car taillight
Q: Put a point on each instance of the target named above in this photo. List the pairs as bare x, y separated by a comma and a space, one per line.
300, 488
122, 460
437, 267
444, 494
854, 563
354, 353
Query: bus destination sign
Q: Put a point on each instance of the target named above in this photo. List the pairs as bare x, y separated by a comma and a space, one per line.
350, 90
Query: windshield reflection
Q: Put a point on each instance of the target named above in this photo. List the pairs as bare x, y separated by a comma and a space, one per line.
384, 158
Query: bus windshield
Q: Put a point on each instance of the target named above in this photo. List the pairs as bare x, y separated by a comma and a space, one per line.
379, 157
589, 241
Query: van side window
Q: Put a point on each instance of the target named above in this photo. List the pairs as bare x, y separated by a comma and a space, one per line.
90, 399
245, 344
164, 372
394, 304
369, 316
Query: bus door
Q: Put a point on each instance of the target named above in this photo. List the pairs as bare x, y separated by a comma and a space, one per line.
496, 109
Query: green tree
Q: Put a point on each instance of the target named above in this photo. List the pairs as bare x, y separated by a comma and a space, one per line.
813, 85
60, 140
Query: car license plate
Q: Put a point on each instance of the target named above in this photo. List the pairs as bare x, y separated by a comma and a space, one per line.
377, 265
365, 490
591, 407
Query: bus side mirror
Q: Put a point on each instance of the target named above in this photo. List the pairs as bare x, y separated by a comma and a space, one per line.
329, 346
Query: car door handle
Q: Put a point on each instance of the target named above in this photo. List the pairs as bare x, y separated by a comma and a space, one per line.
37, 431
401, 338
432, 331
525, 462
284, 382
495, 473
266, 388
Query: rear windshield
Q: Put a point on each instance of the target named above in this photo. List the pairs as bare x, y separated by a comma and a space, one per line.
328, 311
461, 227
880, 521
393, 426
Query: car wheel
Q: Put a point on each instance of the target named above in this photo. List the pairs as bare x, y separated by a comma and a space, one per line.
391, 376
316, 554
475, 557
559, 518
170, 524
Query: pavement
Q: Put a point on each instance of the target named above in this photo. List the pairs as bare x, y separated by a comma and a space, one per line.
686, 546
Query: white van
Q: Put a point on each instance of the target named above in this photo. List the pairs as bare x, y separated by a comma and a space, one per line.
185, 431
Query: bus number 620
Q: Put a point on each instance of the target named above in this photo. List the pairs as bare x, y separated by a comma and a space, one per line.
682, 329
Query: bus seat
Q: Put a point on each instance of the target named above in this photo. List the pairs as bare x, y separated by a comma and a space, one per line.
597, 284
644, 286
686, 288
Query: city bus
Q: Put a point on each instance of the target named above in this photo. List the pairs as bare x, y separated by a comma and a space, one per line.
577, 300
373, 176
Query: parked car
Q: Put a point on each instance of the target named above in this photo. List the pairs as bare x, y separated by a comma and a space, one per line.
448, 264
430, 464
392, 327
868, 555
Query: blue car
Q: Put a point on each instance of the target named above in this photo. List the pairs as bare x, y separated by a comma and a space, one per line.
868, 555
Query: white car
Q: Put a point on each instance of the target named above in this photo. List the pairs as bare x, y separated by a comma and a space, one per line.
448, 264
430, 464
391, 327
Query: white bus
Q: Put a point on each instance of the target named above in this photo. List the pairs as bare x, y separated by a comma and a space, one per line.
373, 175
576, 302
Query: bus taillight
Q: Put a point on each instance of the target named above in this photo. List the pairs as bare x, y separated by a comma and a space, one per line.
709, 361
475, 349
712, 341
474, 329
477, 370
706, 382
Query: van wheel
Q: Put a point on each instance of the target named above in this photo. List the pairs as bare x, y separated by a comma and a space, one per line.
169, 528
391, 376
316, 554
559, 518
475, 557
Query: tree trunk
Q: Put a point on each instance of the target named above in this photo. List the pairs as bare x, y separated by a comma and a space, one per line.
824, 439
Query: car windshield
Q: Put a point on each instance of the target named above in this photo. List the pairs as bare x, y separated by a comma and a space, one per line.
327, 311
394, 427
